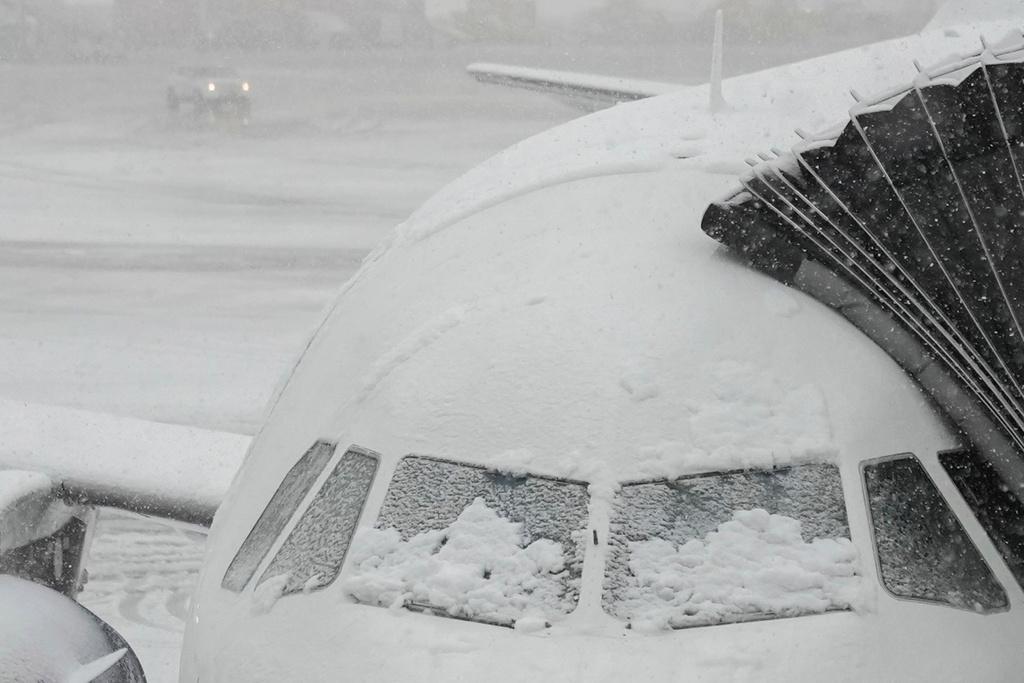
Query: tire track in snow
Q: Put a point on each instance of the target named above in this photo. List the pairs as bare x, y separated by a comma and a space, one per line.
142, 572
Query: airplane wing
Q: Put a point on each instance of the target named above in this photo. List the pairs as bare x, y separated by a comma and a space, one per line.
94, 459
587, 91
592, 92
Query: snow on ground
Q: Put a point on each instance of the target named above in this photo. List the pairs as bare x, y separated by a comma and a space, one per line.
171, 268
140, 578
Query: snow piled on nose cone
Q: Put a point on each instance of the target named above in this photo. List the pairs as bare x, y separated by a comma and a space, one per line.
750, 418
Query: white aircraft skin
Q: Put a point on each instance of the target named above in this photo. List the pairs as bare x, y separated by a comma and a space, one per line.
559, 306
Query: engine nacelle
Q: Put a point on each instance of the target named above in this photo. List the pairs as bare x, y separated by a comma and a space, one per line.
43, 538
50, 637
46, 635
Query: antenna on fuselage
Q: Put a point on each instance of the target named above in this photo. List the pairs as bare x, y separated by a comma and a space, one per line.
716, 101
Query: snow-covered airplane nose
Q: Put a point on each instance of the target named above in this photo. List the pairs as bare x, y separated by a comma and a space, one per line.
567, 322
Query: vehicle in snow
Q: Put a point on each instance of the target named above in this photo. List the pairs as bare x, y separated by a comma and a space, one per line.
552, 430
218, 90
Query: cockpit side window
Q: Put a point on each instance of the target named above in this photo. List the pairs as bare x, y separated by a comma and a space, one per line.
923, 552
472, 543
728, 547
275, 516
998, 509
312, 555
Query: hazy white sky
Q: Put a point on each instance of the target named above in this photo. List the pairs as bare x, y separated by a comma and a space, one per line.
676, 9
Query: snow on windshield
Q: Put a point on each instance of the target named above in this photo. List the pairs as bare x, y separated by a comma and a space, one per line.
479, 567
473, 543
283, 504
314, 551
730, 547
756, 564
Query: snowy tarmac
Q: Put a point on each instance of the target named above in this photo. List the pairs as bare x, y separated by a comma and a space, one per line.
169, 268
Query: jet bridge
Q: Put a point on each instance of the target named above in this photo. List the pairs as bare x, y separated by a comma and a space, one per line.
909, 221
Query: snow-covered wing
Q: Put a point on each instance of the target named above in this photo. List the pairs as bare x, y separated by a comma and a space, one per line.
147, 467
588, 91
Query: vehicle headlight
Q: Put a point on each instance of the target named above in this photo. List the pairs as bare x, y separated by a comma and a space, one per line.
245, 86
211, 87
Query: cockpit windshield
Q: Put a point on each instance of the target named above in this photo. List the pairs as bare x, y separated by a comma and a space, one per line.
730, 547
313, 553
467, 542
923, 551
